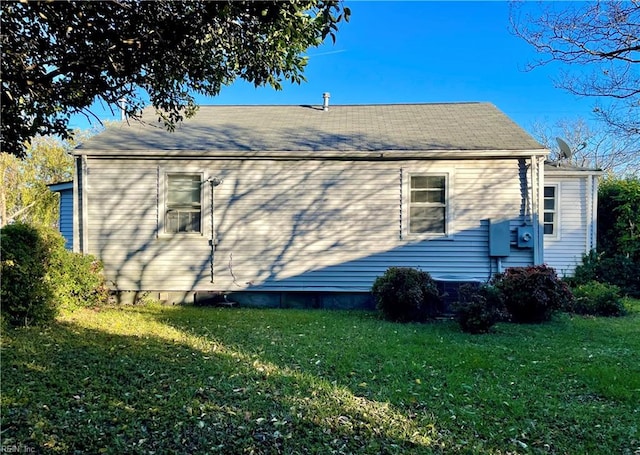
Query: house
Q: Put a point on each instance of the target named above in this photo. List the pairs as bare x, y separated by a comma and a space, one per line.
570, 214
65, 221
307, 205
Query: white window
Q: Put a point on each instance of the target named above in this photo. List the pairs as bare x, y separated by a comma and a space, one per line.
550, 223
428, 204
183, 203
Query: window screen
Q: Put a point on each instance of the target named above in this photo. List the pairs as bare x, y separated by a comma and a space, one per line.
183, 206
427, 208
550, 210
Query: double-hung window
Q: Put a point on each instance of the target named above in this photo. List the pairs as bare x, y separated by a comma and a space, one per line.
183, 203
550, 223
428, 204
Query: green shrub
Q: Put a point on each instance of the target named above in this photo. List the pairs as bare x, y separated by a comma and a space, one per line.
39, 276
587, 270
77, 280
619, 217
597, 299
404, 294
26, 291
479, 308
532, 294
618, 270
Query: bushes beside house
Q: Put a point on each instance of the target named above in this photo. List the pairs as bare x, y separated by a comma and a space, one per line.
617, 270
597, 299
78, 280
405, 294
521, 294
479, 308
26, 294
617, 261
619, 218
532, 294
39, 276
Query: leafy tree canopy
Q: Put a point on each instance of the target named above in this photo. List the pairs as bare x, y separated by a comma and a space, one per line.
60, 57
599, 44
619, 217
24, 194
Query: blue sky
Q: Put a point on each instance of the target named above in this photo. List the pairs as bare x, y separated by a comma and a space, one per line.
421, 52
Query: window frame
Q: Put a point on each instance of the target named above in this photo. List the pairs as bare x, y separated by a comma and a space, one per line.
447, 205
556, 211
163, 203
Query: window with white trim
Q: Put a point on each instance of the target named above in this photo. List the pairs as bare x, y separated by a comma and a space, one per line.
183, 203
428, 204
550, 222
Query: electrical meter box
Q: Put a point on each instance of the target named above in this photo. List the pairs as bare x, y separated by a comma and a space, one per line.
499, 238
525, 237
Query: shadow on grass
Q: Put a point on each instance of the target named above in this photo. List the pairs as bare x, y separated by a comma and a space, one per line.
565, 375
73, 389
194, 380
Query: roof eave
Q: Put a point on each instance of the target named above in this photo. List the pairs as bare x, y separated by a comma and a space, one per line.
573, 173
321, 154
61, 186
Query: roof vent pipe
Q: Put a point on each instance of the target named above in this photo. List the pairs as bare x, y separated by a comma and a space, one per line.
122, 103
325, 103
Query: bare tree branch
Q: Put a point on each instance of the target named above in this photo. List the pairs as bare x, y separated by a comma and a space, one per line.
599, 42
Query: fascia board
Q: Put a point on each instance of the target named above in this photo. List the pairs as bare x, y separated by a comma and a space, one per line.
324, 154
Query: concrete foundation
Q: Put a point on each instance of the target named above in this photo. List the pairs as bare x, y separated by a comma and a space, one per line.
447, 288
318, 300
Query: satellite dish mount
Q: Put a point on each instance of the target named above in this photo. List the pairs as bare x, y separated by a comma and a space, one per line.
565, 150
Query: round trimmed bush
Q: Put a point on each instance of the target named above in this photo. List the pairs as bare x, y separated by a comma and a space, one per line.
532, 294
404, 294
479, 308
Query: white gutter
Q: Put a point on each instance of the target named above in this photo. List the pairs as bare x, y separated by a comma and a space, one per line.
574, 172
320, 154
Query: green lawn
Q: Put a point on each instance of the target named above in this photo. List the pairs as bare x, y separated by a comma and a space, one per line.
152, 379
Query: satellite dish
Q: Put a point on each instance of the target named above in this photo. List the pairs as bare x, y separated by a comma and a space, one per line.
565, 150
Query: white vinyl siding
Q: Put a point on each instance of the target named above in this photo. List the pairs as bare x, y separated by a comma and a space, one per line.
564, 251
295, 224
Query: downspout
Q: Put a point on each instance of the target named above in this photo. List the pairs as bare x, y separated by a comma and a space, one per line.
213, 241
84, 248
589, 237
594, 212
537, 195
80, 211
401, 227
75, 196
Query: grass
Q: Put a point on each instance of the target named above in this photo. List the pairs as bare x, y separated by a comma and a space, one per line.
152, 379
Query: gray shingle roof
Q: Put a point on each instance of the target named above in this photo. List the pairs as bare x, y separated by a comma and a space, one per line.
559, 167
368, 128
